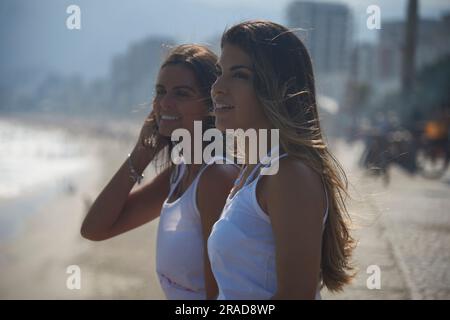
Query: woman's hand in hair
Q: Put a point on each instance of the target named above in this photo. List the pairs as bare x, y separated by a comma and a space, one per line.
150, 142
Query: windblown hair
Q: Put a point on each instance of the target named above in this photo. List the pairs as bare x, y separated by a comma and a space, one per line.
284, 85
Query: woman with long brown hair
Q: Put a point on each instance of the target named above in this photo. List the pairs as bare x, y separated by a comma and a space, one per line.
285, 235
186, 197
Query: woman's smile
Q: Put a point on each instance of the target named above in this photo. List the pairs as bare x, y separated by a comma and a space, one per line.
222, 108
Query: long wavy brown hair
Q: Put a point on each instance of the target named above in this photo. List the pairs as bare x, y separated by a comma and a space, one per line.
284, 84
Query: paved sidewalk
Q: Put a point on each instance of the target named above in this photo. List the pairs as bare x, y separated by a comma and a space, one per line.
404, 228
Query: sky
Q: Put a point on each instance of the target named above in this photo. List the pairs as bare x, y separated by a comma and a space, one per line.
33, 34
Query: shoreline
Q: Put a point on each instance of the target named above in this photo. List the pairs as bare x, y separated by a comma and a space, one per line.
122, 128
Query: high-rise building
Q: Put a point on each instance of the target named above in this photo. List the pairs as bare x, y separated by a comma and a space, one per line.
326, 31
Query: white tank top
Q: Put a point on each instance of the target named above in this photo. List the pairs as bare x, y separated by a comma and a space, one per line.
241, 246
179, 244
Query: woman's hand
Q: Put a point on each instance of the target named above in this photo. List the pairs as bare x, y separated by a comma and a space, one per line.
150, 142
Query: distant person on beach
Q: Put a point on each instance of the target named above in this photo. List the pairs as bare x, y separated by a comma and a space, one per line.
186, 197
285, 235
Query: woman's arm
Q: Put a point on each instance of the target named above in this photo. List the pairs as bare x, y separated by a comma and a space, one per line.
212, 192
116, 211
296, 204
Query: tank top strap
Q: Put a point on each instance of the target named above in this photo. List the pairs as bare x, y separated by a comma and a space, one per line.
220, 160
215, 160
254, 182
176, 177
265, 162
239, 178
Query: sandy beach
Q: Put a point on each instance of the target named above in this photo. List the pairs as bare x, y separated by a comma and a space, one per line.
34, 262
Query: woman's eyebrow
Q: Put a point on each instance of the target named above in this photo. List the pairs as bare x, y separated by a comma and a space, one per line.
185, 87
157, 86
235, 67
240, 66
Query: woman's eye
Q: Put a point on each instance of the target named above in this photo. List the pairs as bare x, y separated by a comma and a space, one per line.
159, 92
183, 94
240, 75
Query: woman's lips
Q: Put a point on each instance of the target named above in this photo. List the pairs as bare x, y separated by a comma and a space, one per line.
220, 108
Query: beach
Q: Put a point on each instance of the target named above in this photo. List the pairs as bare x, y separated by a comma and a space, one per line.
401, 229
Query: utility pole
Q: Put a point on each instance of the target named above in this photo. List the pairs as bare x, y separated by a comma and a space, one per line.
409, 48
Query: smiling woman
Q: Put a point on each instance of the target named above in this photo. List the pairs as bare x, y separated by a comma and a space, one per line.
186, 197
239, 78
291, 228
177, 86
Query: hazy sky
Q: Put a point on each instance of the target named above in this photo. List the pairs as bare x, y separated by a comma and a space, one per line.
34, 34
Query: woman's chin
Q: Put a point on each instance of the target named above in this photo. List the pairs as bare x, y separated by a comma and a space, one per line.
222, 125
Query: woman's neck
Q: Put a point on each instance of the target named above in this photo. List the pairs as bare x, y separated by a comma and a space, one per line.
193, 170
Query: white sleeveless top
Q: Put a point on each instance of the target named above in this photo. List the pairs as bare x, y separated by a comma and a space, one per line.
179, 244
241, 246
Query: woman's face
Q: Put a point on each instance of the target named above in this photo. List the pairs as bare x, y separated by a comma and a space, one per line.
178, 102
235, 103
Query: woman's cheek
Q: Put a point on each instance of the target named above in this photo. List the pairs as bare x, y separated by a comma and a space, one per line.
156, 108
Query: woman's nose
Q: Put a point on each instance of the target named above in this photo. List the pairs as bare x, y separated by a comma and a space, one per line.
167, 102
217, 88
